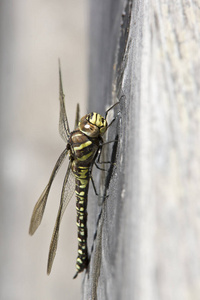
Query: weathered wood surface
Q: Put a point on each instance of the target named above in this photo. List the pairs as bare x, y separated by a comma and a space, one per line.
148, 236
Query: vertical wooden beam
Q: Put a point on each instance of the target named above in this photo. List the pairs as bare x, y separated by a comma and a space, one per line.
148, 235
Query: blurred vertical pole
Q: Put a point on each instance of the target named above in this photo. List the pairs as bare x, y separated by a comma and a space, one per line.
7, 115
147, 242
33, 35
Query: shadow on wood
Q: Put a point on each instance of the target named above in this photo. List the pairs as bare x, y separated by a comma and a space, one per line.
148, 230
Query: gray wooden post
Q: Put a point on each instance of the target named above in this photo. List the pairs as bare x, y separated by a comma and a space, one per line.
147, 242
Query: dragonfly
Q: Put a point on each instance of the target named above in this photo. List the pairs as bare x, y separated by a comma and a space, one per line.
83, 146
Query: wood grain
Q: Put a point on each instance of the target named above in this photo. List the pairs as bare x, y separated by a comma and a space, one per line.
148, 237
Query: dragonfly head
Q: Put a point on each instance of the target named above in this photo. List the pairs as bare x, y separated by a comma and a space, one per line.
93, 125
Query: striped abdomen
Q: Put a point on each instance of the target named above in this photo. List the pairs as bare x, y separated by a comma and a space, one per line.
83, 152
82, 184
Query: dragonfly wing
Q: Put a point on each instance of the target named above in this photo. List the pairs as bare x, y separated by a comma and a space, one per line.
66, 195
63, 121
77, 116
41, 203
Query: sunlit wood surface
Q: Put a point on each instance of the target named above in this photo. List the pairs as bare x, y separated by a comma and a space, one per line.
148, 241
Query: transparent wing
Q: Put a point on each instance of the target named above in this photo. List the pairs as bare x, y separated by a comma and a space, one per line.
63, 121
66, 195
77, 116
39, 208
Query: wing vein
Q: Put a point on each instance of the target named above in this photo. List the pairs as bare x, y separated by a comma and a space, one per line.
66, 195
39, 208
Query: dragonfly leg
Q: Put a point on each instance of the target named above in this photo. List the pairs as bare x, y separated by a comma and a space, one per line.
112, 108
95, 190
94, 187
99, 155
102, 169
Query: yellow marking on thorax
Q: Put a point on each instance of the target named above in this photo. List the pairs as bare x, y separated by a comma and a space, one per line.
82, 146
85, 157
78, 134
81, 167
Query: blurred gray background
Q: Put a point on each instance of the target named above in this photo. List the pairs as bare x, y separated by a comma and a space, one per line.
33, 35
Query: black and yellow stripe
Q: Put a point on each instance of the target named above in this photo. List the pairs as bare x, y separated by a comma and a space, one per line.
83, 151
82, 184
82, 147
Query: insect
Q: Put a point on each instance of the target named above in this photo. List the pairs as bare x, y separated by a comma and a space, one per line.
84, 146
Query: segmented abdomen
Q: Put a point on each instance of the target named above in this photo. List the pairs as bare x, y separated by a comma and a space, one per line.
83, 152
82, 183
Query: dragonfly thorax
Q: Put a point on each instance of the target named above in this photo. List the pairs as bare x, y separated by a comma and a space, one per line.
93, 125
84, 146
